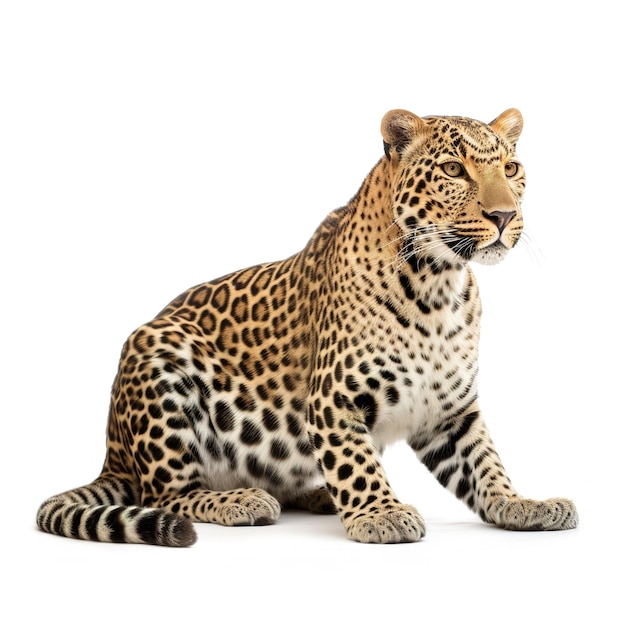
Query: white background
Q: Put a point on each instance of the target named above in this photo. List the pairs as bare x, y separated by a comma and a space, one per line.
148, 146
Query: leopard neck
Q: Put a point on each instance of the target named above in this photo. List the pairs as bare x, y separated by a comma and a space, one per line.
370, 242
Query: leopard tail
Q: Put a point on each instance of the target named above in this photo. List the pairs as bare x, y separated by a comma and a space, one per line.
106, 510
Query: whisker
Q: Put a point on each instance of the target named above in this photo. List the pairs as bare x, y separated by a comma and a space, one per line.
533, 250
422, 240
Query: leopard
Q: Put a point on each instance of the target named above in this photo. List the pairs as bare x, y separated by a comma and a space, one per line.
280, 386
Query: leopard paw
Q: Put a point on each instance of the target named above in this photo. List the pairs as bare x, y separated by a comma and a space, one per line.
249, 507
525, 514
401, 524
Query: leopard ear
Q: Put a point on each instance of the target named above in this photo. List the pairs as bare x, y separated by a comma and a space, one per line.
399, 128
509, 125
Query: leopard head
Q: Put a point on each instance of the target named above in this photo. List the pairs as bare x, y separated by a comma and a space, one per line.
457, 184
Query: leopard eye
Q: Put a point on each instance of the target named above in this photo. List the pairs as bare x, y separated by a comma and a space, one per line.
453, 169
510, 169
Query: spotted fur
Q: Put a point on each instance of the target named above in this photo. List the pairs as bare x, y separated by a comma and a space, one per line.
281, 384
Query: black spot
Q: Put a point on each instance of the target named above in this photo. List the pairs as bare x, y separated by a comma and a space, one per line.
177, 423
334, 440
352, 383
174, 443
462, 488
423, 331
327, 385
163, 475
344, 471
367, 404
170, 405
423, 307
224, 417
328, 417
155, 411
250, 433
270, 420
199, 365
338, 371
391, 395
253, 465
262, 392
155, 451
329, 460
360, 484
244, 401
289, 382
279, 450
304, 447
293, 425
373, 383
339, 399
444, 476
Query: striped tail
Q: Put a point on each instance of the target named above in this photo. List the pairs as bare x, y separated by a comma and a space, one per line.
105, 511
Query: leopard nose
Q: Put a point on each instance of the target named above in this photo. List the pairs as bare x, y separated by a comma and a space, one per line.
500, 218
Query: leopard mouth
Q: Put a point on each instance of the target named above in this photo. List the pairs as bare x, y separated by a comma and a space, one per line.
464, 247
468, 249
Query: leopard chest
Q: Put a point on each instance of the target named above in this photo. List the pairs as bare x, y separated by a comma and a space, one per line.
410, 372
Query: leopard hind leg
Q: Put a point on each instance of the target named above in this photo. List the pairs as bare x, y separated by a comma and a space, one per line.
251, 506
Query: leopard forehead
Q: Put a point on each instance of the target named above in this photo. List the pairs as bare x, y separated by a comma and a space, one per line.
465, 138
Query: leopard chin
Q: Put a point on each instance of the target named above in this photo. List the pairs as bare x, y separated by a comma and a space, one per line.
491, 255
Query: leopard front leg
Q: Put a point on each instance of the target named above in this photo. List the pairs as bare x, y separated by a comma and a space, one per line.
463, 459
356, 481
